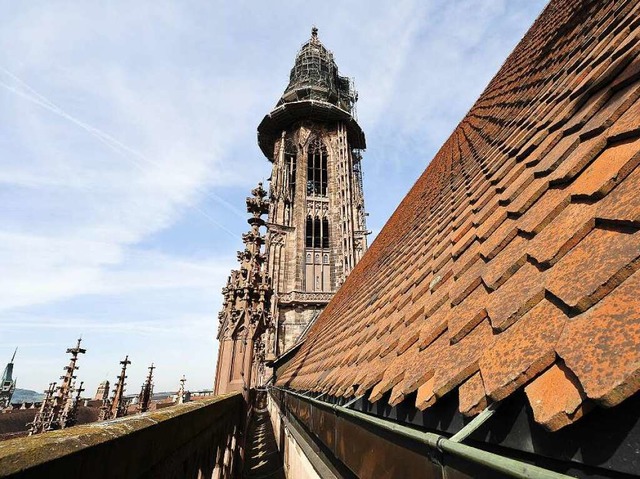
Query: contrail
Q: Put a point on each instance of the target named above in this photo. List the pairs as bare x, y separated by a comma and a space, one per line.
108, 140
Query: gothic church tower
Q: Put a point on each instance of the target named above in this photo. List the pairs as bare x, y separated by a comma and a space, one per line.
316, 221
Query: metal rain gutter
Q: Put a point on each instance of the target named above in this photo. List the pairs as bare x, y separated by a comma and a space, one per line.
505, 465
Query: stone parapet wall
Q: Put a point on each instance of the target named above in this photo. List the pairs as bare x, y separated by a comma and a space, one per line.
294, 455
189, 440
13, 423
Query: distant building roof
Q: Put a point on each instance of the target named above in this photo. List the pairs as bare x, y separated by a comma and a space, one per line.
512, 262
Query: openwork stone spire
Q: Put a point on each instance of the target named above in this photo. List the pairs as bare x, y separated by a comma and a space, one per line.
59, 407
182, 394
7, 383
146, 393
117, 406
245, 318
70, 416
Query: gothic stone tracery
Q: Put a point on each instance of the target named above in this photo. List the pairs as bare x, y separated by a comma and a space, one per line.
316, 230
244, 318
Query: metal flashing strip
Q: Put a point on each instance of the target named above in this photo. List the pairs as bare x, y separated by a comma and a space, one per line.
310, 450
496, 462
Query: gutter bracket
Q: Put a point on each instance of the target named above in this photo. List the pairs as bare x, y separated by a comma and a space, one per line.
352, 401
475, 423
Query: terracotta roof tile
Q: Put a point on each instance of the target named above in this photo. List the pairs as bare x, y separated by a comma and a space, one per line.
522, 351
472, 398
601, 345
512, 261
434, 325
556, 398
462, 286
556, 155
612, 110
577, 160
628, 122
423, 367
467, 260
488, 226
527, 197
519, 294
499, 238
394, 372
468, 314
543, 211
460, 360
425, 396
599, 263
436, 291
463, 242
410, 337
613, 165
562, 234
623, 203
592, 106
630, 74
507, 262
414, 312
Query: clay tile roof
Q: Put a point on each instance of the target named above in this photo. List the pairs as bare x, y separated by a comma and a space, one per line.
513, 262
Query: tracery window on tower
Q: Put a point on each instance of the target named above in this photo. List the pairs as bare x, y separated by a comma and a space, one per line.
317, 168
305, 267
290, 154
317, 233
309, 233
317, 269
325, 233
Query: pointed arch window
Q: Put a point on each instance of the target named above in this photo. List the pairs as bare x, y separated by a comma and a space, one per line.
317, 169
309, 233
290, 166
325, 233
317, 233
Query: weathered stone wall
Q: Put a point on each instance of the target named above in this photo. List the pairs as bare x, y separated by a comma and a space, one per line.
296, 464
306, 278
191, 440
14, 423
292, 322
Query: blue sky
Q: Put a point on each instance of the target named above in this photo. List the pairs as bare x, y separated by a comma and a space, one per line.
128, 145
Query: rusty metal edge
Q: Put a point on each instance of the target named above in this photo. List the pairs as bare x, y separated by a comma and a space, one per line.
496, 462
